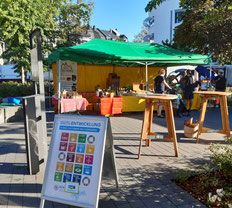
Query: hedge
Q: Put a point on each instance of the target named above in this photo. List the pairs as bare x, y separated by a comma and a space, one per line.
15, 89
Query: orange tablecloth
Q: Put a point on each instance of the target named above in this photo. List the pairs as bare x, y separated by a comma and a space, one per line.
67, 105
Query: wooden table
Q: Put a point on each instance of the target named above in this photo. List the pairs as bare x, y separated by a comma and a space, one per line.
209, 95
146, 134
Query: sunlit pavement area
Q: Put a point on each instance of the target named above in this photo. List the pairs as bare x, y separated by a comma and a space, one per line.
143, 183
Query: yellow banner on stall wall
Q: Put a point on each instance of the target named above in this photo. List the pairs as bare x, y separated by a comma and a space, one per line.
128, 75
89, 76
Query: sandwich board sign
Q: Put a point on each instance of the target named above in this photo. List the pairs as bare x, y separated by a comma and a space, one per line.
75, 160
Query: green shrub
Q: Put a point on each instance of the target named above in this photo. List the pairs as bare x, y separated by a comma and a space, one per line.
15, 89
229, 98
184, 175
222, 157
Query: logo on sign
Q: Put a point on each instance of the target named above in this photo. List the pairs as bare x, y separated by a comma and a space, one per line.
70, 157
89, 159
79, 158
82, 138
78, 169
72, 187
77, 178
91, 139
73, 137
72, 147
58, 176
69, 167
67, 177
61, 156
81, 148
90, 149
64, 136
87, 170
59, 188
60, 166
86, 181
63, 146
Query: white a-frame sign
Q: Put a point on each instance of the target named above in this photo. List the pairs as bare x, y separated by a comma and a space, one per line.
78, 148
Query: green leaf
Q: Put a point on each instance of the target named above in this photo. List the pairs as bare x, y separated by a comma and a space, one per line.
56, 19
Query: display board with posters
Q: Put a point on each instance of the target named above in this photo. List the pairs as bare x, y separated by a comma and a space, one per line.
68, 76
75, 160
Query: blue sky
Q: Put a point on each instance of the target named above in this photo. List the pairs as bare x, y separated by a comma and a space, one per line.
125, 15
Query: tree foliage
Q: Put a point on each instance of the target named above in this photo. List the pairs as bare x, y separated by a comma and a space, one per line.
54, 18
139, 37
73, 20
205, 28
153, 4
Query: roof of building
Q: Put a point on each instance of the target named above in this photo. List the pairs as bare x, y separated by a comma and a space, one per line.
108, 34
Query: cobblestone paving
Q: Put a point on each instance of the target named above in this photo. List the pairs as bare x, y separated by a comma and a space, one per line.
143, 183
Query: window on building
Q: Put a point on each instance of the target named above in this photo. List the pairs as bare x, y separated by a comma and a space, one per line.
178, 14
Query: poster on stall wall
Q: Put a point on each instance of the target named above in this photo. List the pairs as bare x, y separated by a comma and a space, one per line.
68, 76
75, 160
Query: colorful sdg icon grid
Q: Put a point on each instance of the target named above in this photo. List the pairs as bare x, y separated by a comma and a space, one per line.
75, 158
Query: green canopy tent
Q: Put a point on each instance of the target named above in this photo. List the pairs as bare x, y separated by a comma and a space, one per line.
108, 52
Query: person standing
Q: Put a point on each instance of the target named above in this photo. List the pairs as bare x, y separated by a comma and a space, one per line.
188, 90
182, 76
220, 83
159, 87
172, 81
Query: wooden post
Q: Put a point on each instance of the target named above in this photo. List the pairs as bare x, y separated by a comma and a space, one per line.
225, 115
144, 130
202, 116
150, 119
167, 115
172, 125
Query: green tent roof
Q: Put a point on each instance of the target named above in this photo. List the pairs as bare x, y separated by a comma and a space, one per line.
108, 52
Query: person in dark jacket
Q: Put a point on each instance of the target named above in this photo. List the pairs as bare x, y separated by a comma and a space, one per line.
220, 81
159, 87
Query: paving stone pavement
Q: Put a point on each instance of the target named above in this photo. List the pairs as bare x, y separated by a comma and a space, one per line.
143, 183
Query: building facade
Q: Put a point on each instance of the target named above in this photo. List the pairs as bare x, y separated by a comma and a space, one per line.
162, 22
94, 32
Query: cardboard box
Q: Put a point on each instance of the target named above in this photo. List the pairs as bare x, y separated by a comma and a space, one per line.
137, 86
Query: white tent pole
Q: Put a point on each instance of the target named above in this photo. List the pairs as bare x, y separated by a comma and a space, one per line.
210, 74
146, 64
49, 87
59, 93
146, 77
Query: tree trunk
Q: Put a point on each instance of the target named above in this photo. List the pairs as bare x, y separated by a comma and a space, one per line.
23, 76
